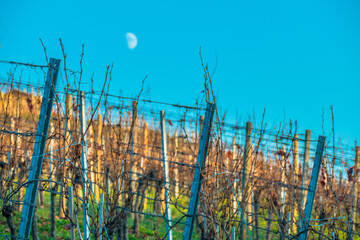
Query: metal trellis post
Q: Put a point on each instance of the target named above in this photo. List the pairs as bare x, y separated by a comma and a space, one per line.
85, 178
233, 233
305, 223
196, 185
166, 175
201, 123
39, 148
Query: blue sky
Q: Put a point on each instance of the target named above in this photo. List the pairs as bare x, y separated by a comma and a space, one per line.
293, 58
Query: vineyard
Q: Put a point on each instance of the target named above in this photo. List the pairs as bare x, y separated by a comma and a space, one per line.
79, 164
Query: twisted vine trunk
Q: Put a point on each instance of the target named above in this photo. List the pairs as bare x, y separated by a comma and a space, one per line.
142, 201
7, 212
269, 225
256, 210
34, 229
137, 206
53, 212
157, 200
41, 194
124, 235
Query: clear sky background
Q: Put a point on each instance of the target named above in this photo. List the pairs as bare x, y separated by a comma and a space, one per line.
294, 58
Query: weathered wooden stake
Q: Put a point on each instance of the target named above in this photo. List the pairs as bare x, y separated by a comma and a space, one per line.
283, 179
235, 194
98, 157
305, 222
245, 188
133, 140
354, 196
295, 182
282, 219
108, 189
146, 154
176, 167
305, 167
91, 152
253, 213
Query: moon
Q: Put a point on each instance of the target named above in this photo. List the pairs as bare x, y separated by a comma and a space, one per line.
131, 40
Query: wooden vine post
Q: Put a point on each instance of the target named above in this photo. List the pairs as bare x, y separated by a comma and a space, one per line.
235, 195
176, 167
282, 193
295, 182
133, 140
98, 157
305, 167
146, 154
245, 187
91, 156
354, 190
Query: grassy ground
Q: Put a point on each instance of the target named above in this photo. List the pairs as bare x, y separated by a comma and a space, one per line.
150, 227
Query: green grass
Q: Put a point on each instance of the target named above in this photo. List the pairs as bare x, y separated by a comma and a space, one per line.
150, 227
43, 223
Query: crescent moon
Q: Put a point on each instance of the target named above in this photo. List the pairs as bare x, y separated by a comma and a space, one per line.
131, 40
